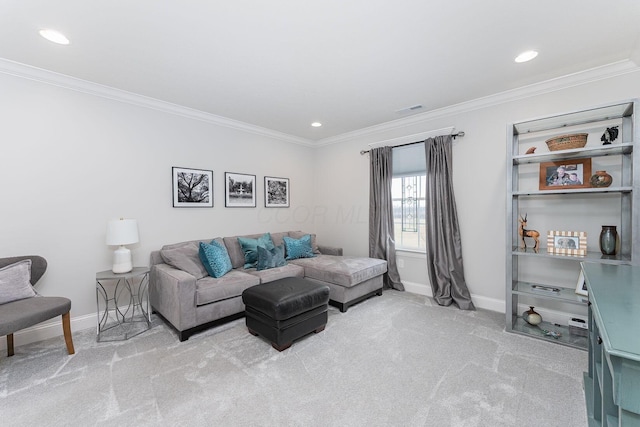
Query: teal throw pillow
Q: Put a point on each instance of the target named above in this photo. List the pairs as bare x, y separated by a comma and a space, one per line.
215, 258
270, 258
250, 248
299, 248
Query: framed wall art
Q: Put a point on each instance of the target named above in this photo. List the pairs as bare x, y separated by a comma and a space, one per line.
276, 192
566, 174
573, 243
240, 190
192, 188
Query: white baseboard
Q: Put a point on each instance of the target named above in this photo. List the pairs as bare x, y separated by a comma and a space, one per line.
50, 329
53, 328
553, 316
479, 301
417, 288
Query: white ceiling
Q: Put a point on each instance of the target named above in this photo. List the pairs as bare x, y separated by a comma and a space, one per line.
282, 64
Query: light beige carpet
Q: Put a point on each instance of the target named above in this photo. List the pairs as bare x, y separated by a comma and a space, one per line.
394, 360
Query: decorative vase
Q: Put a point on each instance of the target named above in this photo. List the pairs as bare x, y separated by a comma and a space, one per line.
601, 179
532, 317
608, 240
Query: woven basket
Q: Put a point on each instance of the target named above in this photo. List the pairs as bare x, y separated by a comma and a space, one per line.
567, 142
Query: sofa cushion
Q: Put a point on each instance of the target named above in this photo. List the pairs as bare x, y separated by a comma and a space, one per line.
210, 289
14, 282
277, 238
340, 270
299, 234
215, 258
235, 250
276, 273
299, 248
270, 258
250, 248
184, 256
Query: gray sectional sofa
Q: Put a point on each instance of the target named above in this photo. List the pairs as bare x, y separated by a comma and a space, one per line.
183, 293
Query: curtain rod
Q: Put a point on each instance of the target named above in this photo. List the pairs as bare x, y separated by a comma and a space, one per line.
454, 135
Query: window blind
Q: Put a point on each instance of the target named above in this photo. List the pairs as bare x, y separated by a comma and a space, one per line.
409, 160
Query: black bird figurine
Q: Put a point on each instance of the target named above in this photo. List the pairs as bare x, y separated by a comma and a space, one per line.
609, 135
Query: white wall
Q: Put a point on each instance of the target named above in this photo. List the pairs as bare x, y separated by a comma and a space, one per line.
479, 164
70, 161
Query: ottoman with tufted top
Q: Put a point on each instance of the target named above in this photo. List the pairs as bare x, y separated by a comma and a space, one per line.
285, 310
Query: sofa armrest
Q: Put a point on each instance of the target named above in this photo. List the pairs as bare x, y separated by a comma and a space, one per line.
330, 250
172, 293
155, 258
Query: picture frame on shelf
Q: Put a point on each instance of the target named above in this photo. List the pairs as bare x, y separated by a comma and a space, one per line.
565, 174
240, 190
276, 192
572, 243
192, 188
581, 286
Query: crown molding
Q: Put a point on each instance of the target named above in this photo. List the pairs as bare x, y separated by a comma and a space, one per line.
18, 69
72, 83
552, 85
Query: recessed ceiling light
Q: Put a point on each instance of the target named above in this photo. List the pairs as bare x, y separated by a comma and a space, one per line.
526, 56
54, 36
316, 124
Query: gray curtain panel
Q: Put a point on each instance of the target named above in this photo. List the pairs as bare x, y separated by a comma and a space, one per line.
444, 248
382, 243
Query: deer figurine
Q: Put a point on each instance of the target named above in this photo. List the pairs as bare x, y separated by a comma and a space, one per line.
523, 232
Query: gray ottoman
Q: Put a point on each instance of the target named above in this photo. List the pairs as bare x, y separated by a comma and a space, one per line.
285, 310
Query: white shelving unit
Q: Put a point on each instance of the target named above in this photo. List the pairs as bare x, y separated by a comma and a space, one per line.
583, 209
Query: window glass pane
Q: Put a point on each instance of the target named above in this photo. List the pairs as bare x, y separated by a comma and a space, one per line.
408, 195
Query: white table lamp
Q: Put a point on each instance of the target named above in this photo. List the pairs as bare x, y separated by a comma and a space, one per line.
122, 232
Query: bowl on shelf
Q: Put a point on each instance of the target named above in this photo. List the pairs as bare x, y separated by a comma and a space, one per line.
567, 142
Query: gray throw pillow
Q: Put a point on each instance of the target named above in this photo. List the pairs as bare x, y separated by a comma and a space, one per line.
14, 282
186, 258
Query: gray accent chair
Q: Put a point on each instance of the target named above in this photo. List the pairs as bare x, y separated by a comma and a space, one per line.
20, 314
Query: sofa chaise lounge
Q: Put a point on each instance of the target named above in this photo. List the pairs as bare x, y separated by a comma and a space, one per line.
185, 295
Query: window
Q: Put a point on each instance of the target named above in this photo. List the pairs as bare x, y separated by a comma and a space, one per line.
408, 194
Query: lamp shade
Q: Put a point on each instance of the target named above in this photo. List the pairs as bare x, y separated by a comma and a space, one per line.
122, 232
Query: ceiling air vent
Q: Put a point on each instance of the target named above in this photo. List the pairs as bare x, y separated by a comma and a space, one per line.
412, 109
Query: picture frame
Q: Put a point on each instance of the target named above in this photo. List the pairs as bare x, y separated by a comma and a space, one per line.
565, 174
240, 190
581, 286
192, 188
572, 243
276, 192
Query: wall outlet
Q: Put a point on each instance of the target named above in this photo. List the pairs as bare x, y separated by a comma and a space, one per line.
400, 263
